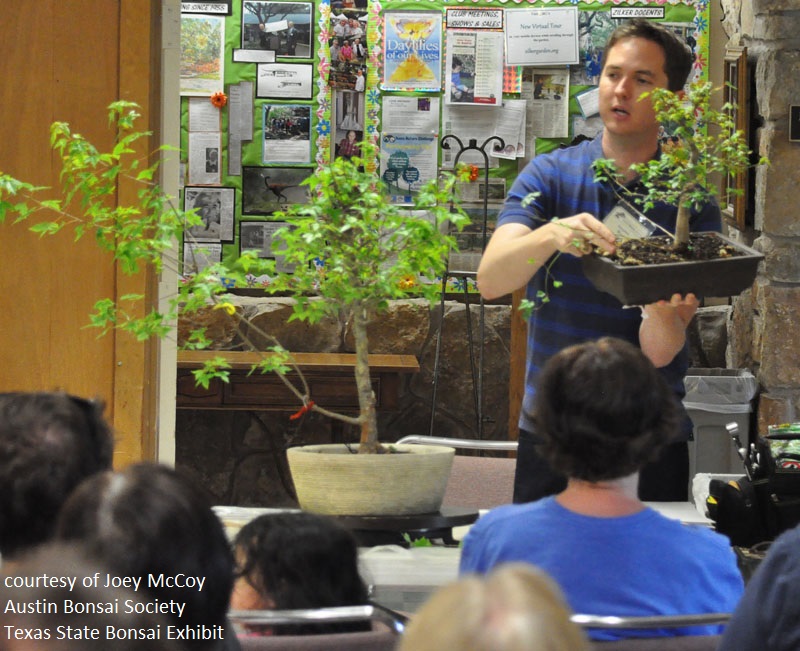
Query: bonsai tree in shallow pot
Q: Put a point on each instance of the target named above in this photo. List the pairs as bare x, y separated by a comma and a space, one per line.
352, 248
648, 269
352, 251
364, 251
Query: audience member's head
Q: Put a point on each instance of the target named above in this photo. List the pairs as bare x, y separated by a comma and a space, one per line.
149, 521
297, 560
64, 617
602, 410
513, 608
49, 443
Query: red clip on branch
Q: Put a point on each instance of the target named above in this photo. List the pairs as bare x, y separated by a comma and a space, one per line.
307, 406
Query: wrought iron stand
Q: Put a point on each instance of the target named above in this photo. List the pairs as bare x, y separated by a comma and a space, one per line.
476, 366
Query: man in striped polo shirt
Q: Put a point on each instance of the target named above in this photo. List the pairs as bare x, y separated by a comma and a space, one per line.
541, 241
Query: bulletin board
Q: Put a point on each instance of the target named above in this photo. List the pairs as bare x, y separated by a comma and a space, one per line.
303, 81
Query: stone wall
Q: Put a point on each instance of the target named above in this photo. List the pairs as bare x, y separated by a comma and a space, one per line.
239, 455
763, 336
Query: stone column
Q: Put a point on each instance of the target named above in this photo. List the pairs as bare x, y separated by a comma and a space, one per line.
763, 334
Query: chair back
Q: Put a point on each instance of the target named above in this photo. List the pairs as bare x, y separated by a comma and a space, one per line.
677, 643
667, 643
475, 482
480, 482
381, 638
386, 626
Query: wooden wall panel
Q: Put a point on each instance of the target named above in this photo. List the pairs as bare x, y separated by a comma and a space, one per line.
60, 60
50, 74
135, 396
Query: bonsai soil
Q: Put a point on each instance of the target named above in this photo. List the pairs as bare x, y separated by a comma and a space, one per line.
659, 249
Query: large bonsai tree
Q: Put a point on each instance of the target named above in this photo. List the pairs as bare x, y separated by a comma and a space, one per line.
353, 250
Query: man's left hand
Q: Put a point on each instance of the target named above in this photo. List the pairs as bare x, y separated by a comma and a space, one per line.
662, 333
677, 307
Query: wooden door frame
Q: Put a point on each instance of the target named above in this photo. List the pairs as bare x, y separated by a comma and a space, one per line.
135, 401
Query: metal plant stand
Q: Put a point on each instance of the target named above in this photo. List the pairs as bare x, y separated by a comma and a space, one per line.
476, 364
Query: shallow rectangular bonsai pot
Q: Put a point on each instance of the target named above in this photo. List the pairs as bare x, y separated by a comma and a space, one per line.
640, 285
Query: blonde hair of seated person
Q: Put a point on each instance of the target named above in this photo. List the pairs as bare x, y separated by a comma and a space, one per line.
516, 607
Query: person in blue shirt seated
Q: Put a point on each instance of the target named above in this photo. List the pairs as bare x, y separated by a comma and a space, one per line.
603, 411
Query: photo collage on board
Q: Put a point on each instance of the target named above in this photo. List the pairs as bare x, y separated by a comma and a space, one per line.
348, 76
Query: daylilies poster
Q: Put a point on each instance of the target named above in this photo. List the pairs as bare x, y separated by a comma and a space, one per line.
412, 49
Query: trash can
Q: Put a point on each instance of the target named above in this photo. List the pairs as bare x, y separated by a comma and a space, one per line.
714, 398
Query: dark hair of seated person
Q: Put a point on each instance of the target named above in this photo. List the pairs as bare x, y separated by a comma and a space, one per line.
41, 609
149, 519
49, 443
298, 561
596, 435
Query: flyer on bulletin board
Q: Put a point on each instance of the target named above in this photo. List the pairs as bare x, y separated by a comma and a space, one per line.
407, 163
536, 37
475, 65
412, 50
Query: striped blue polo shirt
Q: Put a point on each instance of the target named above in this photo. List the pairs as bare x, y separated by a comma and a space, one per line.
576, 311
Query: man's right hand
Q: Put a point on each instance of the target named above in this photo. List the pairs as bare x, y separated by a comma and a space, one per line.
515, 252
577, 235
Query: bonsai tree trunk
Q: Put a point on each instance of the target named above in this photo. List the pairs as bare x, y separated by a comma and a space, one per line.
681, 239
366, 397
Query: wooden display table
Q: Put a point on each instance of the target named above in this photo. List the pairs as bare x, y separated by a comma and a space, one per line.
330, 379
329, 376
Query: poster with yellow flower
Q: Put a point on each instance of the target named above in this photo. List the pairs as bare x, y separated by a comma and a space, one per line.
412, 49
